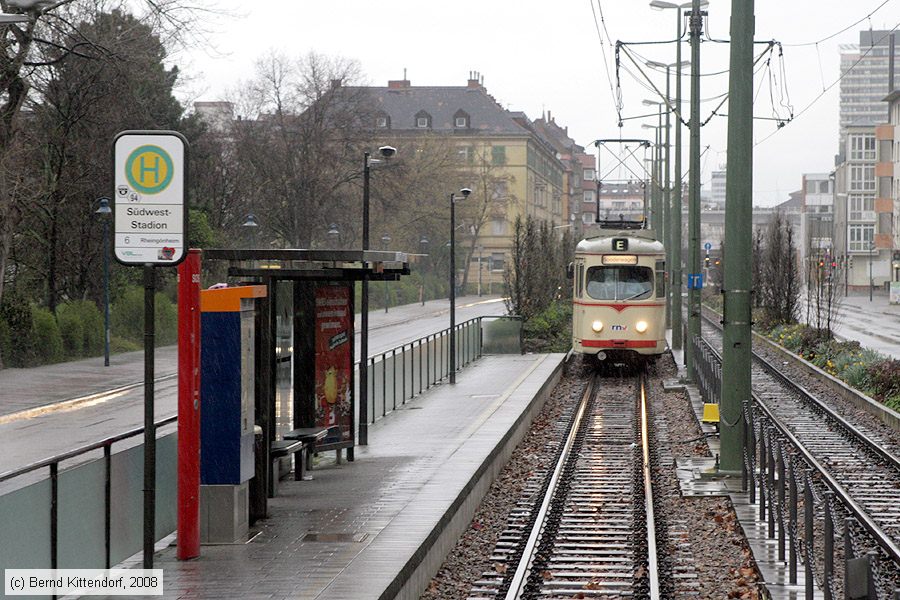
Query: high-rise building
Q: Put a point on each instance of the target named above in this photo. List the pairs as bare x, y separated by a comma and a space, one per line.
864, 85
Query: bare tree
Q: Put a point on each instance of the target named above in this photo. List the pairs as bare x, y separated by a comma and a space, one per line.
779, 281
302, 141
30, 52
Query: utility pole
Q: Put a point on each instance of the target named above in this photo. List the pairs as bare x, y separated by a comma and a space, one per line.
675, 238
696, 28
736, 344
667, 196
655, 198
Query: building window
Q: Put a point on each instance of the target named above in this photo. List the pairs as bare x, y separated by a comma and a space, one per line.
861, 237
589, 195
588, 175
381, 122
498, 155
824, 187
587, 218
498, 227
498, 261
862, 147
862, 178
862, 207
461, 119
501, 190
423, 120
463, 153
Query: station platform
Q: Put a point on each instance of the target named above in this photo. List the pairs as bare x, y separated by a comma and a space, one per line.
380, 527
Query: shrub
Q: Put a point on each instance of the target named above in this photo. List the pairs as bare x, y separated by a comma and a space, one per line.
550, 330
5, 346
15, 312
884, 379
127, 317
72, 331
48, 342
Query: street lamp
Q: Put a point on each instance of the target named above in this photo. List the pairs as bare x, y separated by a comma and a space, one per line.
386, 152
105, 211
871, 259
464, 192
480, 252
423, 244
251, 225
675, 234
385, 240
334, 234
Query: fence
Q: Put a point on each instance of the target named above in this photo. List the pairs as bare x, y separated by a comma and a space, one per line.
780, 475
402, 373
61, 522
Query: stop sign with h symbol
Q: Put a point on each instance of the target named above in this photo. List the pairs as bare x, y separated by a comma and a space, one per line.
150, 170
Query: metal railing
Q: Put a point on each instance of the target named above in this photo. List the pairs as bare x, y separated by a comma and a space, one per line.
78, 484
783, 478
402, 373
708, 369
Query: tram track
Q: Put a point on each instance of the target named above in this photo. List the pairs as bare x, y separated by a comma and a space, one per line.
849, 459
584, 526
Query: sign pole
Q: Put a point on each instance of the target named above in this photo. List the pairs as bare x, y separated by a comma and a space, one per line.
149, 426
150, 171
189, 406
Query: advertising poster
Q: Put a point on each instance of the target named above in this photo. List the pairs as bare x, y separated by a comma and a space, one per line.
334, 364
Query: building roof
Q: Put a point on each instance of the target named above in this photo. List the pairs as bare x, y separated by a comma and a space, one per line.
402, 103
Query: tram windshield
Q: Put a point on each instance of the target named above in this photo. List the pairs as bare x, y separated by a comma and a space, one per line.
619, 283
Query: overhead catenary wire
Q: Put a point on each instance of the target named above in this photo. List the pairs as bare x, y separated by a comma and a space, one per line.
833, 83
847, 28
616, 100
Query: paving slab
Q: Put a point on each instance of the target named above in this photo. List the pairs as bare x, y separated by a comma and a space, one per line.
380, 527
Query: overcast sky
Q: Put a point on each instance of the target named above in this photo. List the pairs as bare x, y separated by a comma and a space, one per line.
539, 56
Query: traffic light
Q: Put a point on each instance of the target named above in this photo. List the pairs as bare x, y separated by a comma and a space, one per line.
707, 260
850, 263
821, 263
833, 264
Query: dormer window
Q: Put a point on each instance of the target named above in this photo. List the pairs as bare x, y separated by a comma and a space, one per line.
461, 120
382, 122
423, 120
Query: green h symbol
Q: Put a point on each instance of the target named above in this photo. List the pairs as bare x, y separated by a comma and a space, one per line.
154, 169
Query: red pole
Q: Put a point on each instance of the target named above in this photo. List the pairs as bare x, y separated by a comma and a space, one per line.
189, 406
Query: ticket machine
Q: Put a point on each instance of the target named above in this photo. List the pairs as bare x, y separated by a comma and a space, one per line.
226, 411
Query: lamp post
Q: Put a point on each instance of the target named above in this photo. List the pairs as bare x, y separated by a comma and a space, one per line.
675, 238
871, 259
386, 152
659, 211
464, 192
480, 251
385, 240
423, 244
105, 211
334, 234
251, 225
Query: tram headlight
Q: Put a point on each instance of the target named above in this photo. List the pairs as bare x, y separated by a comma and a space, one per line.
641, 326
597, 326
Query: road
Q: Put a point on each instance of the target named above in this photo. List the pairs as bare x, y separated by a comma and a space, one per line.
875, 324
78, 413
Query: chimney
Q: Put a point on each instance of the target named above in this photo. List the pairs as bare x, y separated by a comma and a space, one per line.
476, 81
399, 84
335, 84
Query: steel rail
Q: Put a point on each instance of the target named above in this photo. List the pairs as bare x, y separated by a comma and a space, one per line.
652, 563
842, 495
520, 578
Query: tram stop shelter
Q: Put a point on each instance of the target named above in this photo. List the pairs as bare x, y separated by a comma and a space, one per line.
304, 335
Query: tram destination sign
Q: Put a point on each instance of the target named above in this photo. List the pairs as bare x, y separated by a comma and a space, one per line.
150, 212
